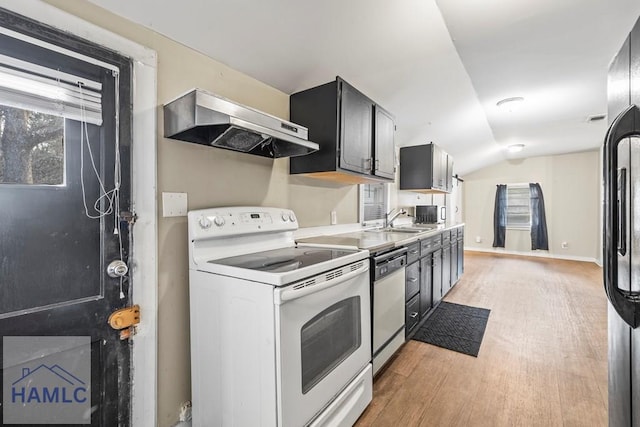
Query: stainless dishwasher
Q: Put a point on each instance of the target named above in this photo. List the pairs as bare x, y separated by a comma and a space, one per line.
388, 300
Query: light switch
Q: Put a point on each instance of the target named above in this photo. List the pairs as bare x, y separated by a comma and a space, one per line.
174, 204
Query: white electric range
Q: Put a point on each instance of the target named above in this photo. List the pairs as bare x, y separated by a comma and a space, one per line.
280, 335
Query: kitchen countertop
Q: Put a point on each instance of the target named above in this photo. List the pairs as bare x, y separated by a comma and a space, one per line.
373, 241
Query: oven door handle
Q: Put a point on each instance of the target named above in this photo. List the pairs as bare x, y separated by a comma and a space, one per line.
289, 293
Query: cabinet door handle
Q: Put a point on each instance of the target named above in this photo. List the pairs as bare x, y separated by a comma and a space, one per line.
412, 279
413, 315
413, 252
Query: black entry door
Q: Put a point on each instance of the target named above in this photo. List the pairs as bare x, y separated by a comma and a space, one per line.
59, 229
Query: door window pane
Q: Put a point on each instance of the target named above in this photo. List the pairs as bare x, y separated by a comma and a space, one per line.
328, 339
31, 147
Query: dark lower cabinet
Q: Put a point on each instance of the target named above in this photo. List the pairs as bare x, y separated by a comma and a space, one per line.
446, 269
460, 252
412, 280
437, 276
412, 314
425, 284
453, 265
429, 277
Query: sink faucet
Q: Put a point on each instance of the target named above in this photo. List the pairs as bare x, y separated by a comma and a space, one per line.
391, 216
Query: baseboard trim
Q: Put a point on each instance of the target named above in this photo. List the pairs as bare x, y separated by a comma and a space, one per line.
533, 254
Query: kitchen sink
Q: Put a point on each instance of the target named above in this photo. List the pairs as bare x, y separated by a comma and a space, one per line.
395, 230
417, 228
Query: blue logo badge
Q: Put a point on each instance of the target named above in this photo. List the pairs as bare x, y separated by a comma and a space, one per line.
47, 380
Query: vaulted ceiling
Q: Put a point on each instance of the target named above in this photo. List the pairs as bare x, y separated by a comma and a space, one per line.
440, 66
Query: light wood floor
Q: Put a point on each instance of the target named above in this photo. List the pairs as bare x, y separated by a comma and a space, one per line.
543, 359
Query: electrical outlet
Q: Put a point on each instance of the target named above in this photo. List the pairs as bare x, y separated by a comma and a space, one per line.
334, 217
478, 239
565, 245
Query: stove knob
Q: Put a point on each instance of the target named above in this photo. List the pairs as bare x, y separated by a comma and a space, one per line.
204, 222
285, 217
292, 218
218, 221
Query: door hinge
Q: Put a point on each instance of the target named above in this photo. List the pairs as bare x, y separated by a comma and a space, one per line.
130, 217
124, 320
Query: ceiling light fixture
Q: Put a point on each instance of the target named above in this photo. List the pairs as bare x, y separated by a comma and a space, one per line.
515, 148
510, 104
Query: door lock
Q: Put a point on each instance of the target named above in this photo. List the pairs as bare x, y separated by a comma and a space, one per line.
117, 268
124, 320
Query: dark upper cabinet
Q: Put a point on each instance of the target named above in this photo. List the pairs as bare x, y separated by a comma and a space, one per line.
426, 168
384, 154
356, 120
449, 174
439, 162
354, 133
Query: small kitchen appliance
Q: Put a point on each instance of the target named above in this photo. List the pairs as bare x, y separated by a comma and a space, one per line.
280, 334
431, 214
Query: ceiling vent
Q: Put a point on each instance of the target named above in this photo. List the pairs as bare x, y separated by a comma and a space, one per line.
596, 118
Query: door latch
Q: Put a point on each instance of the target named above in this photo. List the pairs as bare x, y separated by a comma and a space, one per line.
124, 320
129, 217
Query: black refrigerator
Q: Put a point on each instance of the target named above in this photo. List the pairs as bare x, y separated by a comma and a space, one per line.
621, 238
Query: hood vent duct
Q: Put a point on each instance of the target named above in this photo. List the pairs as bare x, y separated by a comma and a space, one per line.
204, 118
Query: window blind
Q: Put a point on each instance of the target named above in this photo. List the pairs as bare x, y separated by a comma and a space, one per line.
518, 206
34, 87
374, 201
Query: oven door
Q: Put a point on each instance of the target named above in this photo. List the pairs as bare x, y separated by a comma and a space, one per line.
323, 340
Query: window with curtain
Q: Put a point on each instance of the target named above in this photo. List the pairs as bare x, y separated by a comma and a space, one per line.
521, 207
518, 206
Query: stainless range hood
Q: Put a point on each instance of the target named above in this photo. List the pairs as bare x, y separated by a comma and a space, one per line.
204, 118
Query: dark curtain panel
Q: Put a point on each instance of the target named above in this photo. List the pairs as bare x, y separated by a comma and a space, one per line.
539, 239
500, 216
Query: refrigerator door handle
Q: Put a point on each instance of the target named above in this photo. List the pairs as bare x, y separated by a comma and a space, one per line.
622, 211
626, 303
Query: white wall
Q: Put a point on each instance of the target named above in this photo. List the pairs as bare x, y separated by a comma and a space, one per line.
571, 188
210, 177
453, 201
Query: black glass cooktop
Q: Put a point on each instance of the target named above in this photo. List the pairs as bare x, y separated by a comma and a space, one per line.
283, 260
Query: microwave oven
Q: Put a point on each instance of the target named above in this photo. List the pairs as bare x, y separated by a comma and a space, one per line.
431, 214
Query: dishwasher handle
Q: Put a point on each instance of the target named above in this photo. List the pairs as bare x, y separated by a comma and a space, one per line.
388, 256
390, 266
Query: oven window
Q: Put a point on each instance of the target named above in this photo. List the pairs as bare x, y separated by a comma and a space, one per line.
328, 339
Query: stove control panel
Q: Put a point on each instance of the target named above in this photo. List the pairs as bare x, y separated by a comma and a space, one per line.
221, 222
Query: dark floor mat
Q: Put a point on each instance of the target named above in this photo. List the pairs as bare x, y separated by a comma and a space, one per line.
455, 327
